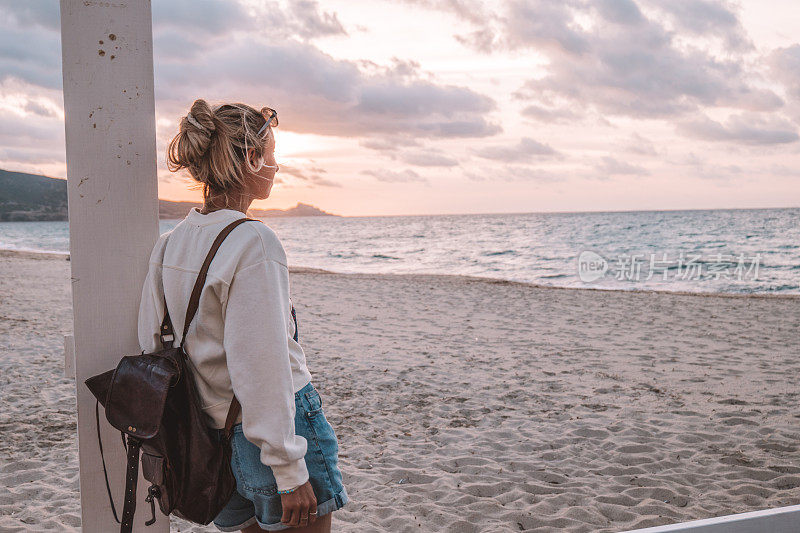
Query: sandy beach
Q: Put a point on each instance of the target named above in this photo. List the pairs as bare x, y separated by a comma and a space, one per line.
473, 405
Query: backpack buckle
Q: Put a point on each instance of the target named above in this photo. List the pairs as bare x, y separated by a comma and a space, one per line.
166, 333
152, 491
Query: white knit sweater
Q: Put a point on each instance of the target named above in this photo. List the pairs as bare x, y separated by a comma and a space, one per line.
241, 339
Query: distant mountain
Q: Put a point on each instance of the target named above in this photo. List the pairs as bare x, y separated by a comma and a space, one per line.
31, 197
172, 210
300, 210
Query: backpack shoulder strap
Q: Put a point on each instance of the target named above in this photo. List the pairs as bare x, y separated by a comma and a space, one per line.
194, 301
166, 332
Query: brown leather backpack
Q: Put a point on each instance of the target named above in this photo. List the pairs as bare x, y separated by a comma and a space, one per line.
153, 401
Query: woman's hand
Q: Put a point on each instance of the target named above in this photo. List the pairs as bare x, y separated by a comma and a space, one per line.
298, 506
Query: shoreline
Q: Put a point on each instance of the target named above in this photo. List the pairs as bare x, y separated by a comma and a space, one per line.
34, 254
44, 255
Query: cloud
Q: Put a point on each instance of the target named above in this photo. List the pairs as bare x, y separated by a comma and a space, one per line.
641, 145
545, 25
515, 173
620, 11
261, 54
477, 13
173, 47
209, 17
32, 58
427, 159
31, 127
24, 130
389, 143
311, 175
202, 45
311, 23
470, 10
31, 141
389, 176
706, 18
385, 96
784, 64
610, 166
276, 20
27, 13
553, 116
392, 147
300, 18
526, 149
512, 173
744, 128
41, 108
483, 40
622, 59
708, 171
315, 93
21, 156
639, 72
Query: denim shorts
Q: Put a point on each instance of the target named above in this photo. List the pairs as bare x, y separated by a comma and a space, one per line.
255, 499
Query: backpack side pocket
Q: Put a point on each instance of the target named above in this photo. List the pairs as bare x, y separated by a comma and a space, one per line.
154, 470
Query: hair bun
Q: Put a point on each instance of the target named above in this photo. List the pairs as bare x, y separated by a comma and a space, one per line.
201, 118
194, 140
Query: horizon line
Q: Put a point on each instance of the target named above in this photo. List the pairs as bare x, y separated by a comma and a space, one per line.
675, 210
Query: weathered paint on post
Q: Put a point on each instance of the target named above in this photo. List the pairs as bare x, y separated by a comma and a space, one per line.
112, 190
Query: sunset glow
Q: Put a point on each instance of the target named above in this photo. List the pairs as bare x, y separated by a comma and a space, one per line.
427, 106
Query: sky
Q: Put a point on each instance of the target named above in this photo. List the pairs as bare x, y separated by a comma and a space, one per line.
460, 106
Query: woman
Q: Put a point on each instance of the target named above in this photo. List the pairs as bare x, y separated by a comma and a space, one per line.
243, 340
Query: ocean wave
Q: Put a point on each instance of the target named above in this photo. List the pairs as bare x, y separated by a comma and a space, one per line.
344, 255
503, 252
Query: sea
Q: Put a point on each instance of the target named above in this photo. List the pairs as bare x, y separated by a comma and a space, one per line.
736, 251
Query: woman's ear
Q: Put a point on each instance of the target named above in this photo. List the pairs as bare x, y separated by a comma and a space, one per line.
251, 157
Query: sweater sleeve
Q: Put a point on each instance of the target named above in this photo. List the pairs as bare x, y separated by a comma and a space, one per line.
257, 350
151, 310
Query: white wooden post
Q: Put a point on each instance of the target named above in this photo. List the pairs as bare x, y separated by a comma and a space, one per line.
778, 520
112, 190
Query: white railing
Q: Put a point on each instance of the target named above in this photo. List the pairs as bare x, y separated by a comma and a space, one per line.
778, 520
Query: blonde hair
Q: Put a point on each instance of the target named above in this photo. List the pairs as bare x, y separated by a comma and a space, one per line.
215, 152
